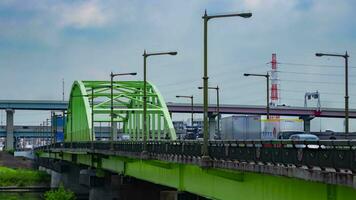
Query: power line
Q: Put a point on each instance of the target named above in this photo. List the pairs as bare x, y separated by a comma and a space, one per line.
313, 73
213, 75
310, 65
327, 101
317, 82
304, 91
302, 101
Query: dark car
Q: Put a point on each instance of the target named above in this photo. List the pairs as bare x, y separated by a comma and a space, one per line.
285, 135
190, 136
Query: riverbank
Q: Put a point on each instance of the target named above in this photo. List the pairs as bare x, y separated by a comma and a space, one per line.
7, 159
19, 180
22, 177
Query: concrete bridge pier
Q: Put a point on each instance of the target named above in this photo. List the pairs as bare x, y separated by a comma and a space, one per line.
70, 179
177, 195
98, 184
307, 121
101, 185
66, 175
56, 178
10, 129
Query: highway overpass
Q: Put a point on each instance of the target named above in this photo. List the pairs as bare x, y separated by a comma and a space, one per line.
198, 108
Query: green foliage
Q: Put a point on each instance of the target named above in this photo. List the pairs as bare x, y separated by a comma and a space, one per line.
20, 196
21, 177
59, 194
10, 151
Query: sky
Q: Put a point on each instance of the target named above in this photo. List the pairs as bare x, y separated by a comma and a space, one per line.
43, 42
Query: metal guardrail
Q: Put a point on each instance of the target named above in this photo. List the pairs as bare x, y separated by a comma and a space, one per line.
337, 154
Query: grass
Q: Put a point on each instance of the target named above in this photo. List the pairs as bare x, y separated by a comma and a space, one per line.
59, 194
20, 196
21, 177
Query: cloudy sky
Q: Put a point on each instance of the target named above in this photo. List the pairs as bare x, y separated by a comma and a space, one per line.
42, 42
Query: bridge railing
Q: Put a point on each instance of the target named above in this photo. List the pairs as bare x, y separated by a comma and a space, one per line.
337, 154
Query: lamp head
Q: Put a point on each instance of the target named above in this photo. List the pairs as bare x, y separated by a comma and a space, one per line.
245, 15
319, 54
200, 87
246, 74
173, 53
133, 73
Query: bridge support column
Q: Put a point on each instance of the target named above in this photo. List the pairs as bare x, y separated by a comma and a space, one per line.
66, 174
9, 129
100, 187
306, 120
212, 126
56, 179
114, 134
70, 180
176, 195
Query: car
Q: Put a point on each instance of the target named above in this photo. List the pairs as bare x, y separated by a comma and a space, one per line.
200, 137
287, 134
124, 137
305, 137
190, 136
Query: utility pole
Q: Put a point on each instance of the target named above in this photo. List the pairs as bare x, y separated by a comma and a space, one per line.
267, 84
112, 114
206, 18
346, 57
191, 106
145, 56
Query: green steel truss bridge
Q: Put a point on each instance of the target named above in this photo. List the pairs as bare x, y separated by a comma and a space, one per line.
90, 102
248, 170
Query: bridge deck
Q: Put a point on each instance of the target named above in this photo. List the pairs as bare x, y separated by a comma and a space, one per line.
239, 169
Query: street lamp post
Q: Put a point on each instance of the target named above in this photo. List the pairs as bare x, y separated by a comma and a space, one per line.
41, 135
53, 123
92, 118
346, 57
47, 124
206, 18
192, 105
112, 76
217, 105
145, 55
267, 84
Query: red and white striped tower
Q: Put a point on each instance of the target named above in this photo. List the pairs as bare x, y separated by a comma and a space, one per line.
274, 82
272, 125
274, 122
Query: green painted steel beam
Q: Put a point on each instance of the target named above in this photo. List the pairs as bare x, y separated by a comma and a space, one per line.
128, 106
217, 183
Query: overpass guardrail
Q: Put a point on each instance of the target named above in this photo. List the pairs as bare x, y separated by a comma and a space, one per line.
336, 154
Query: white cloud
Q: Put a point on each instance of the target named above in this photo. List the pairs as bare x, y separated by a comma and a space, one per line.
83, 15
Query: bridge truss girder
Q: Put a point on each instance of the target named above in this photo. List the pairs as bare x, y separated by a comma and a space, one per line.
93, 99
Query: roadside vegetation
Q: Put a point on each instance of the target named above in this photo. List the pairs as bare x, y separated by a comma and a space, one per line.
20, 196
21, 177
59, 194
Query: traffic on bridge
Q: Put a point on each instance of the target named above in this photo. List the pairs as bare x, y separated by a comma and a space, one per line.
142, 113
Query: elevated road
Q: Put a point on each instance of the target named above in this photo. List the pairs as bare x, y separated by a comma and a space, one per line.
198, 108
33, 105
261, 110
